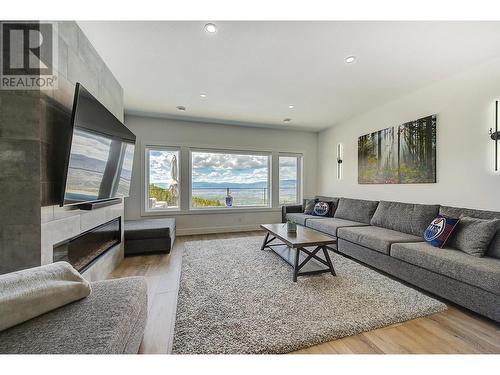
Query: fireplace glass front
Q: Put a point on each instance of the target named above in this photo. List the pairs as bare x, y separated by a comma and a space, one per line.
81, 251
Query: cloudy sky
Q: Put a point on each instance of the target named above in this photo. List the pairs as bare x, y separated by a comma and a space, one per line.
160, 165
288, 168
216, 167
89, 144
98, 147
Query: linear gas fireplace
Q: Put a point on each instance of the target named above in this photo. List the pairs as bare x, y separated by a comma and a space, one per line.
82, 250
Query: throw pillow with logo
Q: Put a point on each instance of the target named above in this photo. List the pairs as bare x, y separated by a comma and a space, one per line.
322, 208
439, 230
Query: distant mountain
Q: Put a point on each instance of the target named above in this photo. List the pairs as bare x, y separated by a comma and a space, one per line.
214, 185
288, 183
233, 185
79, 161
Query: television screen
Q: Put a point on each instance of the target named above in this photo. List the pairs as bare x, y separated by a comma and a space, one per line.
99, 162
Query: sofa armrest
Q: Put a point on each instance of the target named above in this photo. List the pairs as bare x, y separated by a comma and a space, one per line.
287, 209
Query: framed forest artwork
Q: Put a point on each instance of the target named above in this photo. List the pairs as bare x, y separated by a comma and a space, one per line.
405, 154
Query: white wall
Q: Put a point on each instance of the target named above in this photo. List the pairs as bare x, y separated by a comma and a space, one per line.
165, 132
464, 105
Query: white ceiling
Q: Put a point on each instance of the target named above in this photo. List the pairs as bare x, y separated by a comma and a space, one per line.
252, 71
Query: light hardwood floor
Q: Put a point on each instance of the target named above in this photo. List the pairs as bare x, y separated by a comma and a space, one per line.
453, 331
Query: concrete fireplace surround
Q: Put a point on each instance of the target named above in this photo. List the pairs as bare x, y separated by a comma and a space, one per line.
33, 127
62, 223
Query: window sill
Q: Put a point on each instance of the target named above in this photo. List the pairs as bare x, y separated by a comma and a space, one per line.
211, 211
161, 212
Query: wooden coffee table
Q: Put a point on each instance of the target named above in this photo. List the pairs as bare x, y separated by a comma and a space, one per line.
292, 248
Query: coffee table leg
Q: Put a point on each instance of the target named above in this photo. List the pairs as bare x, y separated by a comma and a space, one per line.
296, 265
329, 261
265, 241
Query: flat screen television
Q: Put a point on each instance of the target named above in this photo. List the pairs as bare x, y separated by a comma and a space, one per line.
100, 153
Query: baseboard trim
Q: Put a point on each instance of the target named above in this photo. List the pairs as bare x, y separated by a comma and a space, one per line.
211, 230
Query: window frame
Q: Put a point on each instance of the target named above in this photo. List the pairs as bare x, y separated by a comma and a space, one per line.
299, 190
145, 200
269, 197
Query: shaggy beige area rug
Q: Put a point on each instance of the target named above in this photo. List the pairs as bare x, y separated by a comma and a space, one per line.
235, 298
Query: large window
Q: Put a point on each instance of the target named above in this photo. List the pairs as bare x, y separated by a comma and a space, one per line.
229, 179
289, 174
162, 179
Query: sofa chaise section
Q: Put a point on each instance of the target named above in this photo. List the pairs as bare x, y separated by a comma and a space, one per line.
482, 273
464, 294
111, 320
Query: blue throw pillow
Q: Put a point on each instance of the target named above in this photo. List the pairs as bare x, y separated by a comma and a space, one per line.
322, 208
439, 230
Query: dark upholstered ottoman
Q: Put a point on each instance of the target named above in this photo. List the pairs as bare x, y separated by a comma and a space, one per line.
149, 236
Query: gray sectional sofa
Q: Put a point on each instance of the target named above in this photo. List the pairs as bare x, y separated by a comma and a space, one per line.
389, 237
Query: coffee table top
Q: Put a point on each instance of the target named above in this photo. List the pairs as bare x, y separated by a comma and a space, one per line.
302, 238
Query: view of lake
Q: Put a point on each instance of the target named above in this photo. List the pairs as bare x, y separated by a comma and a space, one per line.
245, 196
252, 194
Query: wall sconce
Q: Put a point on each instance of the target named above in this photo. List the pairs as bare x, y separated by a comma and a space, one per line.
495, 135
339, 161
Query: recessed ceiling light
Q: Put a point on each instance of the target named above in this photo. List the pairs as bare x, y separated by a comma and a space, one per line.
203, 95
210, 28
291, 106
181, 108
287, 120
350, 59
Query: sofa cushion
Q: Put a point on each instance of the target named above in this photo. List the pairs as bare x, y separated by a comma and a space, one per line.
111, 320
494, 248
375, 238
473, 235
358, 210
483, 273
301, 218
404, 217
331, 225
